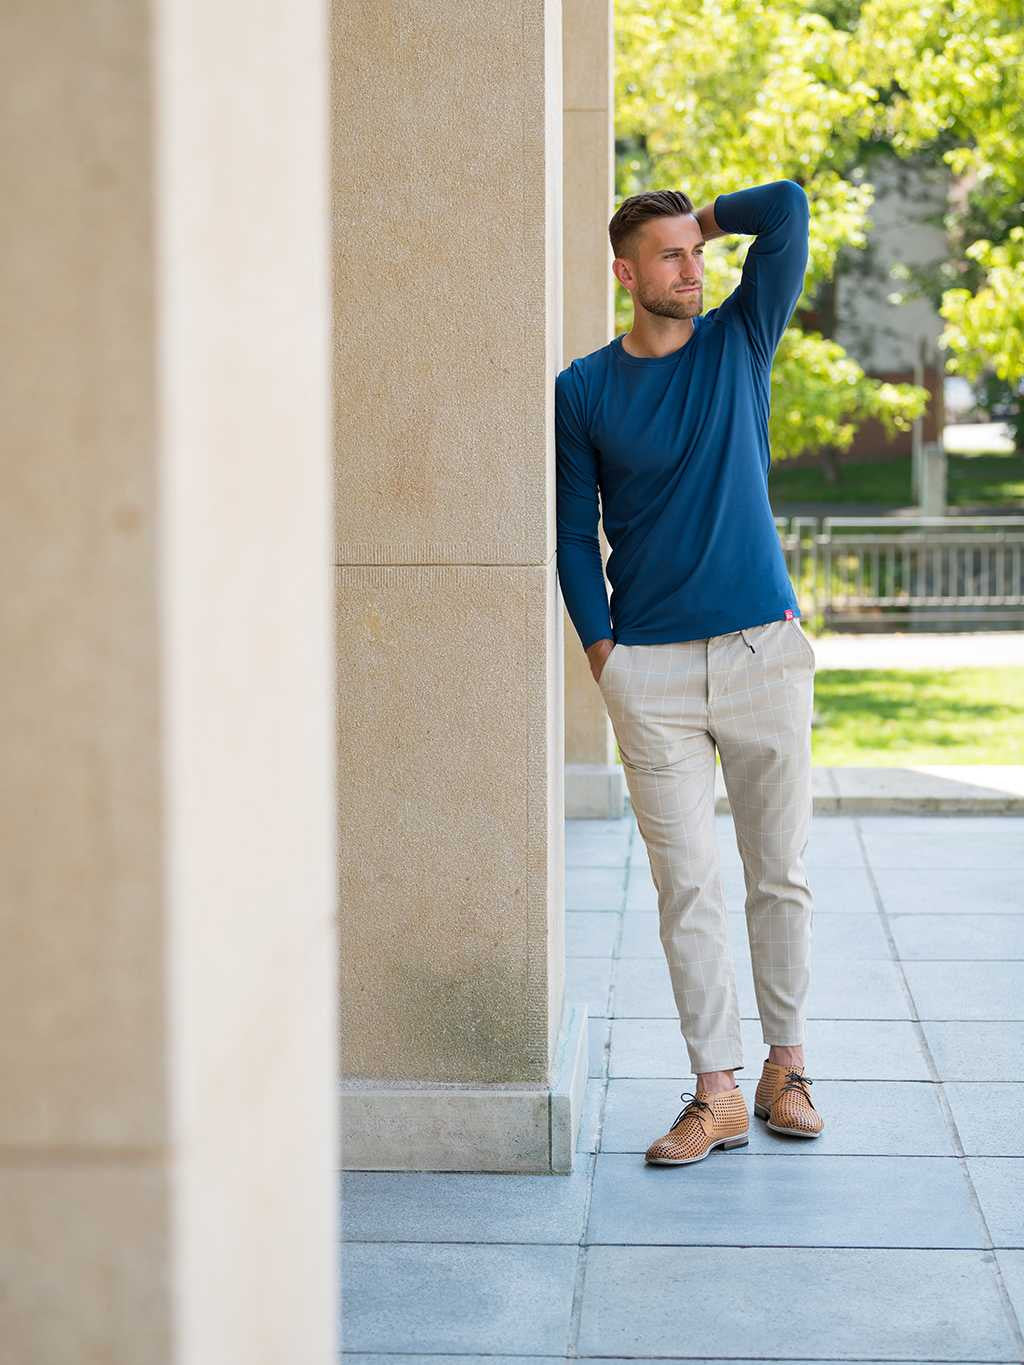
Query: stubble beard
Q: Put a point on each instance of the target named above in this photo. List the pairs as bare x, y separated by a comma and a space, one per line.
672, 305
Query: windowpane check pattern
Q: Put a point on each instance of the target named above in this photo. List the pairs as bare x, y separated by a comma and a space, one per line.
748, 695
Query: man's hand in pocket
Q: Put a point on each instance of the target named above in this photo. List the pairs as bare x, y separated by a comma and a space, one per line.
598, 655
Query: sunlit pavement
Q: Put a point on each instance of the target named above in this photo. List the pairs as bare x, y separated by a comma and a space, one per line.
917, 649
896, 1235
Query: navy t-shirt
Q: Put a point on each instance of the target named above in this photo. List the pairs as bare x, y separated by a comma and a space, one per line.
677, 448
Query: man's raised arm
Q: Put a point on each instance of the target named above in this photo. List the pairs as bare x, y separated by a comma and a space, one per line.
778, 214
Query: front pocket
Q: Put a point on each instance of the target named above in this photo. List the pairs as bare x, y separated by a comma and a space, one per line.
607, 662
808, 647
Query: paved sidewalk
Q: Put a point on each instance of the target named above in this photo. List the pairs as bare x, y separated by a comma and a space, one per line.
895, 1236
917, 649
993, 789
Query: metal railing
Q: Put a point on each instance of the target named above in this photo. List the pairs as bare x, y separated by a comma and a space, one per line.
877, 571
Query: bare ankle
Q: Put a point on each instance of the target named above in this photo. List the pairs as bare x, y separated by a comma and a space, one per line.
786, 1056
714, 1082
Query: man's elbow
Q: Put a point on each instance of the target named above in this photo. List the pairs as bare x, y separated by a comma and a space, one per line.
797, 196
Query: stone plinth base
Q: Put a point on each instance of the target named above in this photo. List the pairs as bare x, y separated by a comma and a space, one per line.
509, 1128
594, 791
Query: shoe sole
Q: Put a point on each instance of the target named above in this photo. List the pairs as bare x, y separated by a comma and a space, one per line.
762, 1113
740, 1140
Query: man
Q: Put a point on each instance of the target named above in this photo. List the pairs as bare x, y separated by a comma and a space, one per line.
669, 423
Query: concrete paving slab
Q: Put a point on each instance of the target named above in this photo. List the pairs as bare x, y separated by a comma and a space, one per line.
989, 1116
595, 888
841, 1049
947, 844
979, 891
824, 793
597, 843
850, 1303
418, 1296
588, 979
840, 989
999, 1183
463, 1206
967, 991
982, 1051
638, 1111
959, 937
589, 1138
739, 1198
1011, 1266
841, 891
376, 1358
980, 789
929, 787
598, 1040
591, 933
925, 787
946, 825
489, 1276
640, 935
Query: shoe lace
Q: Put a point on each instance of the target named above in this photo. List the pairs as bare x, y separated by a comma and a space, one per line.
696, 1106
797, 1082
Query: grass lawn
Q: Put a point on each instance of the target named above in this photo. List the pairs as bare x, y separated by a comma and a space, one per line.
890, 718
974, 480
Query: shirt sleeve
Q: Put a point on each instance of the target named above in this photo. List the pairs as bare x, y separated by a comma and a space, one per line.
773, 272
578, 553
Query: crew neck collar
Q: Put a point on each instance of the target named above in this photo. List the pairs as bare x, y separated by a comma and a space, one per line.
625, 356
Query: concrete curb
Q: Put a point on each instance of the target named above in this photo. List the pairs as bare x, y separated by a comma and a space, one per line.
987, 790
948, 788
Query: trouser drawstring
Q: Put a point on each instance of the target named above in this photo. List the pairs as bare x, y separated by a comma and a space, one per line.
747, 643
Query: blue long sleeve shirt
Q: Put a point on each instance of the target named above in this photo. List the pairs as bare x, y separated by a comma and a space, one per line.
677, 448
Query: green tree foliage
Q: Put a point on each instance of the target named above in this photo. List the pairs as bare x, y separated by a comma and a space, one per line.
952, 73
987, 328
717, 94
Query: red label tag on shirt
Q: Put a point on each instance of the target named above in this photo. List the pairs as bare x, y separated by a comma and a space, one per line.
789, 614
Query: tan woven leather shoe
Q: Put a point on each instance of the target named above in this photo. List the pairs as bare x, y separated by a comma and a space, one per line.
784, 1099
709, 1120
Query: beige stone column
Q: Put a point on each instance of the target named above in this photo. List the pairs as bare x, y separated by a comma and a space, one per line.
168, 1037
458, 1051
594, 781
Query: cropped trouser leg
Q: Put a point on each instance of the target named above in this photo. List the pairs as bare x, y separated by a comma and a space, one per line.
761, 699
656, 698
750, 694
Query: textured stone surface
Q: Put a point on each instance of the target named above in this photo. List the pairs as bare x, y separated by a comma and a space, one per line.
168, 999
453, 855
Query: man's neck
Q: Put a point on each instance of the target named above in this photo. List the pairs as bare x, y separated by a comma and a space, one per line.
654, 355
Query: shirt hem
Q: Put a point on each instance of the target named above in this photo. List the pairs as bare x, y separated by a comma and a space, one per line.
707, 631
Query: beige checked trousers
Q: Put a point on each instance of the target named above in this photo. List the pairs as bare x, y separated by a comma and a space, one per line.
749, 694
